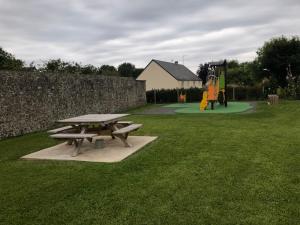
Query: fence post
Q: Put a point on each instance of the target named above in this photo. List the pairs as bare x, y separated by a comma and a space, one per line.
233, 93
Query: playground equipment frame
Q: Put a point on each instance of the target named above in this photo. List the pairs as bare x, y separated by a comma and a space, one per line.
222, 63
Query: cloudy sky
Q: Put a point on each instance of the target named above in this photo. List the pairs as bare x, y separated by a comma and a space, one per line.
114, 31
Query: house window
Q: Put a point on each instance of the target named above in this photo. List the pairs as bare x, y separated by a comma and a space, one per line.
182, 84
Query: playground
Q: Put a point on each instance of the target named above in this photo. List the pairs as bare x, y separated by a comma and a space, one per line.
232, 107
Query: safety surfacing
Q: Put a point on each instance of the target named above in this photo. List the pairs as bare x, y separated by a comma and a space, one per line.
232, 107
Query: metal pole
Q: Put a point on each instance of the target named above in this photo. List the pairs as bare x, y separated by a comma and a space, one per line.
225, 78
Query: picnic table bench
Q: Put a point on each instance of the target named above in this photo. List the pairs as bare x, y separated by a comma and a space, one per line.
92, 125
60, 129
76, 138
123, 132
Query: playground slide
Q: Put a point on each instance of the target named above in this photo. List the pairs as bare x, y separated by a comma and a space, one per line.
204, 102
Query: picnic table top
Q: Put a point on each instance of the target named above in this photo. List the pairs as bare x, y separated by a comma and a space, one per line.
93, 118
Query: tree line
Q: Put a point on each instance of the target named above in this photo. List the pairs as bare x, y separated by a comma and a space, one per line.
10, 62
276, 66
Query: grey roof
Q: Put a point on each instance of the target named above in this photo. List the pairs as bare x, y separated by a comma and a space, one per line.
178, 71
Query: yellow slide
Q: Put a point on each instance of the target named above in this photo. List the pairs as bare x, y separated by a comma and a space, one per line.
204, 102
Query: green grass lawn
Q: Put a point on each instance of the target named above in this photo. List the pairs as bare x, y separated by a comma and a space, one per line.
203, 169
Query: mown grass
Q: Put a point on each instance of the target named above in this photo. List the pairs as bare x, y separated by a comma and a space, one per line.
203, 169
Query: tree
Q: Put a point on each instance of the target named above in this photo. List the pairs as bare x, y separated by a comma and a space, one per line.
126, 69
237, 73
233, 72
108, 70
88, 69
241, 73
202, 72
9, 62
137, 72
55, 65
277, 54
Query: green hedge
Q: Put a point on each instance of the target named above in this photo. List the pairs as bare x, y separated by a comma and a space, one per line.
195, 94
246, 93
168, 96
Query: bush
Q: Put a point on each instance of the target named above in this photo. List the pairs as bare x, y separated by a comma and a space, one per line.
246, 93
169, 96
195, 94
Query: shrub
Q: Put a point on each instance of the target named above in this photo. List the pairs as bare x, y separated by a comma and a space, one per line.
169, 96
195, 94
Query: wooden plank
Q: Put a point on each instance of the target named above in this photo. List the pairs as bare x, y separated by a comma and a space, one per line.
73, 136
93, 118
57, 130
128, 129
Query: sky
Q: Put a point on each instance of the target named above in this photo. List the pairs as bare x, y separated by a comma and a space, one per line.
111, 32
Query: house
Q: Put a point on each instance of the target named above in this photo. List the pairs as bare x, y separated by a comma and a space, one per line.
165, 75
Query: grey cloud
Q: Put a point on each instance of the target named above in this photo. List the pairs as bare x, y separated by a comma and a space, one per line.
100, 32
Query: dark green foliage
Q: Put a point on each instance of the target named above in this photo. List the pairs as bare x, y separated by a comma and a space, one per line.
58, 65
247, 93
221, 98
276, 55
126, 69
202, 72
109, 70
137, 72
237, 73
242, 73
89, 69
168, 96
9, 62
195, 94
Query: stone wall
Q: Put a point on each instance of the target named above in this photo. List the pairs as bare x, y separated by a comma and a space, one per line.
34, 101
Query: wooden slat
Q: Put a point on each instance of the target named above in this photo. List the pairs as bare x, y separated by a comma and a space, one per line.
73, 136
125, 122
128, 129
57, 130
93, 118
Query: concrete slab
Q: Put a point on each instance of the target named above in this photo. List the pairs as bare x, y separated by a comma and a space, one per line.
114, 150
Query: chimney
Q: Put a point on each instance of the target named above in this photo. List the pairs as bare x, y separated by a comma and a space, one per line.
176, 62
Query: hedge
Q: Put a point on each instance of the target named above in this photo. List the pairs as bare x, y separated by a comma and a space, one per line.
195, 94
169, 96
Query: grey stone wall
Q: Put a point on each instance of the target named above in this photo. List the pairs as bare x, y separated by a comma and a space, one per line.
34, 101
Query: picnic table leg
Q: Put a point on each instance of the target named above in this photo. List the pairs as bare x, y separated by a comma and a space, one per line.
112, 129
78, 144
123, 138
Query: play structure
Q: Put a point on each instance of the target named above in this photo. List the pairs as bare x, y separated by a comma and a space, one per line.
215, 87
182, 98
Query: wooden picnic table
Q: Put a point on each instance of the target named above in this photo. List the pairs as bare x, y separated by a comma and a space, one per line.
99, 123
93, 119
91, 125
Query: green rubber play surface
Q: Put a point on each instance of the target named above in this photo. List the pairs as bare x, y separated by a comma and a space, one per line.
232, 107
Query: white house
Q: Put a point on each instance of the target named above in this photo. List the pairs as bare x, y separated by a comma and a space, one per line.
166, 75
